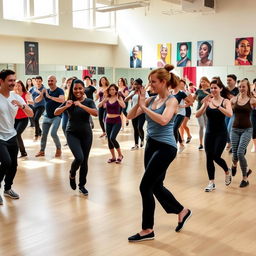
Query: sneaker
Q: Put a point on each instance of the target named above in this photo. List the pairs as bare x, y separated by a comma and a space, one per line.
138, 237
181, 148
233, 170
72, 182
244, 184
10, 193
40, 153
83, 191
210, 187
142, 143
135, 147
1, 200
23, 154
181, 224
228, 178
188, 139
200, 147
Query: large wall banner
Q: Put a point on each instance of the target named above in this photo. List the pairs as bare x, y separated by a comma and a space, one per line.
31, 58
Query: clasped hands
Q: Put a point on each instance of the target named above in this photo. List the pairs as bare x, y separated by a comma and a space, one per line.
69, 103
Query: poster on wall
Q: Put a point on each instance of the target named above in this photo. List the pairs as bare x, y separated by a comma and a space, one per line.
136, 56
101, 71
184, 54
204, 53
163, 55
92, 70
31, 58
244, 51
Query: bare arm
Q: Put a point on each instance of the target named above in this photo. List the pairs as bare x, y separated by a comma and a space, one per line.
166, 116
121, 102
58, 111
226, 109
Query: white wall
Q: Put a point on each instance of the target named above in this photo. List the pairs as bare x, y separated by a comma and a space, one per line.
233, 18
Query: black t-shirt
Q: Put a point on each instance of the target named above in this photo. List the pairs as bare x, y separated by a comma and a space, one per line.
180, 96
89, 91
78, 118
234, 92
51, 105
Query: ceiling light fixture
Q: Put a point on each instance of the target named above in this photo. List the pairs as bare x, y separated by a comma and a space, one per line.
118, 7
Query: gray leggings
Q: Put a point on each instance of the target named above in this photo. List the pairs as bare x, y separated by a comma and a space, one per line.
202, 121
240, 138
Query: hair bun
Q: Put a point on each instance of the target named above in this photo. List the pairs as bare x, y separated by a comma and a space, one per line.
169, 67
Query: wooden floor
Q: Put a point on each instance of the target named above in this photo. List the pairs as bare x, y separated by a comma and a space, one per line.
51, 219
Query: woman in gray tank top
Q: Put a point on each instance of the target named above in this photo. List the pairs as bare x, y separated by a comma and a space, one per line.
160, 151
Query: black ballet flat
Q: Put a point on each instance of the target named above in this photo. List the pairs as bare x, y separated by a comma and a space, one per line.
138, 237
181, 224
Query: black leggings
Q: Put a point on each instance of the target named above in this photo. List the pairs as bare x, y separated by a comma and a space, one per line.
38, 111
157, 159
80, 146
112, 132
102, 115
138, 123
214, 146
8, 160
20, 125
177, 123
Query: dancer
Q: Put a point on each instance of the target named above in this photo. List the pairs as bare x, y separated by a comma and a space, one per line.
216, 108
21, 119
184, 100
160, 151
202, 92
138, 121
54, 97
241, 132
184, 126
78, 131
103, 84
38, 107
10, 102
113, 103
123, 92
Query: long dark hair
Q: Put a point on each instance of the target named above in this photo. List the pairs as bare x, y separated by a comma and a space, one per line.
107, 82
112, 85
22, 85
225, 92
249, 57
71, 95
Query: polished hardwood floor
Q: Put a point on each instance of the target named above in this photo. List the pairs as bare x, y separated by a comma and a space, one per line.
51, 219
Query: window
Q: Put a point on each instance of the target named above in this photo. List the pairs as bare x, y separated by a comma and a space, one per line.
48, 10
11, 13
84, 16
31, 10
81, 13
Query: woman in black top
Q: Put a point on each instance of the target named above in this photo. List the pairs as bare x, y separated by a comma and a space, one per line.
79, 132
216, 108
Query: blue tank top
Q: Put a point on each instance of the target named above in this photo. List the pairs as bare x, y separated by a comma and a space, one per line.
158, 132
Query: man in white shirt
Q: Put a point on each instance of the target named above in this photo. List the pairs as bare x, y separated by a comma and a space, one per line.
9, 104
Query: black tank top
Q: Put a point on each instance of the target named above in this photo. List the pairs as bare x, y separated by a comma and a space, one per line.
215, 120
242, 115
